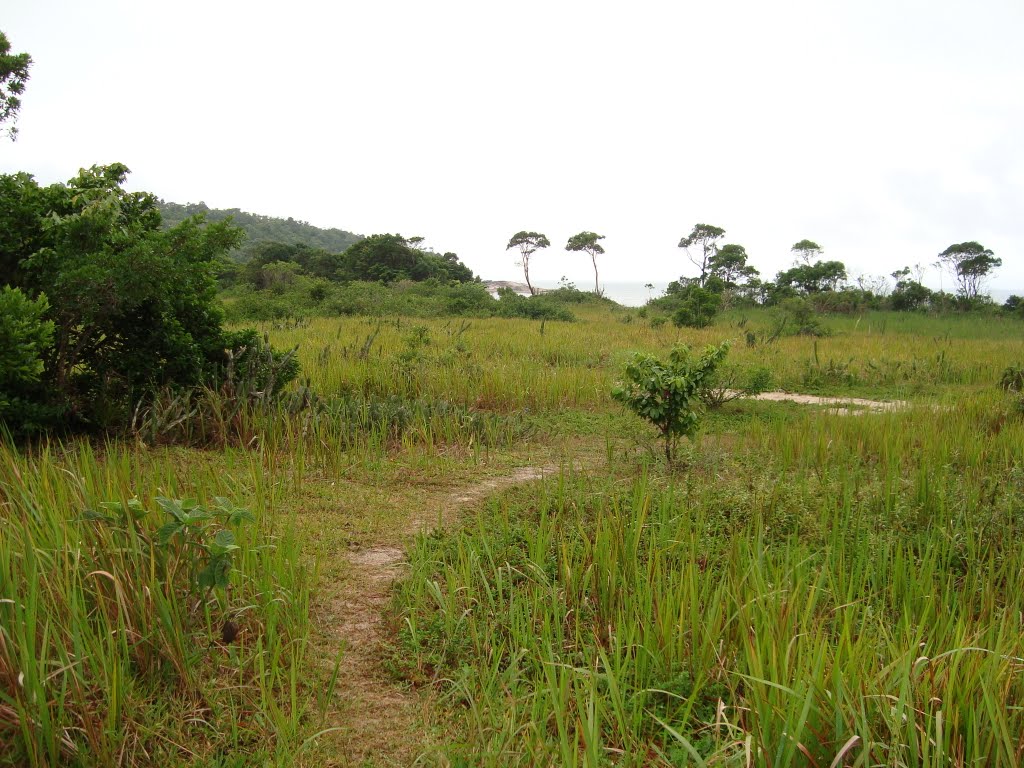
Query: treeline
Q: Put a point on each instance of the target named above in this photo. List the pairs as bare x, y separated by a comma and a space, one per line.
383, 274
814, 284
257, 227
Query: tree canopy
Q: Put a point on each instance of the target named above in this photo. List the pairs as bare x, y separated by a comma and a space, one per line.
132, 306
528, 243
13, 74
704, 237
587, 242
971, 263
807, 251
386, 258
730, 266
813, 278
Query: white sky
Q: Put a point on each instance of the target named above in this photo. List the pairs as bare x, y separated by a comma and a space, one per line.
883, 130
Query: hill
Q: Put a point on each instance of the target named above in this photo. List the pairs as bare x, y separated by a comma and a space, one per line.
259, 227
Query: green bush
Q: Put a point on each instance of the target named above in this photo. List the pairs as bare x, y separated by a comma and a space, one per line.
697, 307
667, 393
25, 339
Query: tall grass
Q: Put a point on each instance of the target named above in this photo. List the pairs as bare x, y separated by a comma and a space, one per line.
109, 655
510, 365
819, 590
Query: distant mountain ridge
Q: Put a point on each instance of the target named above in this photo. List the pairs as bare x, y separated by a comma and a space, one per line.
258, 227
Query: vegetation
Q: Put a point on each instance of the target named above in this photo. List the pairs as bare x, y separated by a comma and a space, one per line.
666, 393
124, 307
587, 242
705, 237
260, 228
13, 74
528, 244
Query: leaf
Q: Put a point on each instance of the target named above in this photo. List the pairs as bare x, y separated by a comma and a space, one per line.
93, 515
223, 543
207, 578
135, 509
167, 532
173, 508
240, 515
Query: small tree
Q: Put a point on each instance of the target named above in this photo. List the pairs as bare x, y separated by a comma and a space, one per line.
697, 308
666, 393
587, 242
528, 243
705, 237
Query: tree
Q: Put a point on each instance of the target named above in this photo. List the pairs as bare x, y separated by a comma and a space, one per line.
729, 265
703, 236
13, 74
909, 293
133, 306
666, 393
388, 258
805, 251
813, 278
697, 308
971, 264
528, 243
587, 242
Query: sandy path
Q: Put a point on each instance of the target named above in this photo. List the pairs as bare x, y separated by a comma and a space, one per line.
382, 723
836, 402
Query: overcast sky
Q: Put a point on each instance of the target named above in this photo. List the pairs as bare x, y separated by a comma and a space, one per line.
884, 130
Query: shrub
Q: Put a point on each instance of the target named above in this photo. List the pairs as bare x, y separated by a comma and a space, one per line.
697, 308
666, 393
25, 337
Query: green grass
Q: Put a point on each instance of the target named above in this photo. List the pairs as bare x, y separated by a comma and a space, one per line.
801, 583
806, 589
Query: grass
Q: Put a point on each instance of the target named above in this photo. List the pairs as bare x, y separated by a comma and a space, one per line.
808, 589
799, 590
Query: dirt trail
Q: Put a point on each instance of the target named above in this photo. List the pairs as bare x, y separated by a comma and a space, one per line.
383, 723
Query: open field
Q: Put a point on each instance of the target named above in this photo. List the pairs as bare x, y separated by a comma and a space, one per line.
467, 554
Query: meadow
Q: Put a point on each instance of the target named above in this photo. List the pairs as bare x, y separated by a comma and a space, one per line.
806, 586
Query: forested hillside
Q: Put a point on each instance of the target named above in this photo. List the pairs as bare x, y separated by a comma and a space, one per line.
257, 227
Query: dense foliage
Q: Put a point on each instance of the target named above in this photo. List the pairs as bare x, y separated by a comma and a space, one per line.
121, 306
13, 74
256, 227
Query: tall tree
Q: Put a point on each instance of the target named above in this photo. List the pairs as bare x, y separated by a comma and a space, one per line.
704, 237
806, 251
587, 242
13, 74
971, 263
528, 243
729, 265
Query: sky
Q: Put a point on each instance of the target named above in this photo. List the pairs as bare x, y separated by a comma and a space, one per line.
884, 130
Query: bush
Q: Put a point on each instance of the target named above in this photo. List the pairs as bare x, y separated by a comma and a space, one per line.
25, 338
666, 393
697, 308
